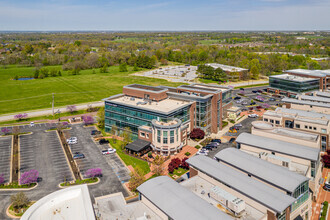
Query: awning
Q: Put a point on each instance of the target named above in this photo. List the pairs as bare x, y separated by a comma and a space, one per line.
138, 145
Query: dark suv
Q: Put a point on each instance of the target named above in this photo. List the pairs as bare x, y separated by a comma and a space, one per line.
78, 156
216, 140
95, 132
103, 141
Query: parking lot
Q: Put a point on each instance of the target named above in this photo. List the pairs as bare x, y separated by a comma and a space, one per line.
114, 172
5, 153
42, 151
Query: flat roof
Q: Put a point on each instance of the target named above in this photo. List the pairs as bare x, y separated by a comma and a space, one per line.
302, 102
268, 172
293, 78
295, 134
278, 146
252, 188
164, 106
226, 67
73, 202
323, 94
315, 98
146, 88
138, 145
302, 113
177, 201
316, 73
205, 88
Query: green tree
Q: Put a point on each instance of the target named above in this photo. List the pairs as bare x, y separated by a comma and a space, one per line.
137, 178
114, 130
127, 136
59, 73
100, 118
104, 69
135, 68
254, 72
77, 43
123, 67
19, 201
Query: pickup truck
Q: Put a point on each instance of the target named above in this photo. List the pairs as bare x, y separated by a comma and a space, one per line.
109, 151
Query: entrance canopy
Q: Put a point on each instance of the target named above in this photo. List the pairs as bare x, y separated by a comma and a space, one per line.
138, 146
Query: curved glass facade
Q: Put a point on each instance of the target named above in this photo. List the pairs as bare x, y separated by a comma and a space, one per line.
294, 86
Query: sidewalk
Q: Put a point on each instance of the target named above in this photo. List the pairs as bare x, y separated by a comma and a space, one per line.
36, 113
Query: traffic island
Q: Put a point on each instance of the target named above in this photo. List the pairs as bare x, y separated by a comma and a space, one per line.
16, 214
89, 181
68, 154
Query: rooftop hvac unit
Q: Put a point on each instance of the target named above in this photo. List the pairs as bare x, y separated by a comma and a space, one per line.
132, 99
233, 203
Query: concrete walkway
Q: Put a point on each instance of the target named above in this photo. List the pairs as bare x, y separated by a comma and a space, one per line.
36, 113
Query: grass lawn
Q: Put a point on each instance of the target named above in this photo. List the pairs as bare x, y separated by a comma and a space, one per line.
254, 85
20, 96
128, 160
178, 172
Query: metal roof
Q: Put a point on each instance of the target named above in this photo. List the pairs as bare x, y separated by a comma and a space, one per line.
238, 181
316, 73
278, 146
323, 94
302, 102
178, 202
273, 174
302, 113
315, 98
138, 145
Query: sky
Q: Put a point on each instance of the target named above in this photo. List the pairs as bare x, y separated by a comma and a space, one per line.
163, 15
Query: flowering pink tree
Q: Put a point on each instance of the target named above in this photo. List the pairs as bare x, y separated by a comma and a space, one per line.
94, 172
265, 105
88, 120
65, 124
20, 116
6, 131
71, 108
29, 177
2, 179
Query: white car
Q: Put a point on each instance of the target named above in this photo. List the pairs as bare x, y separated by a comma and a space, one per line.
31, 124
253, 116
72, 139
109, 151
202, 152
72, 142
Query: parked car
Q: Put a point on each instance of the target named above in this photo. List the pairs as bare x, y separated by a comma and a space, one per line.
212, 145
237, 98
241, 89
232, 140
95, 132
216, 140
244, 110
238, 101
202, 152
326, 187
238, 125
215, 144
103, 141
253, 103
244, 103
78, 156
32, 124
272, 99
254, 91
109, 151
253, 116
72, 139
260, 91
207, 147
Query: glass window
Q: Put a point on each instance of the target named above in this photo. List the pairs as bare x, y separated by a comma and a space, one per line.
310, 127
314, 128
271, 121
172, 133
265, 119
277, 122
165, 133
164, 140
323, 130
297, 125
306, 126
172, 139
142, 134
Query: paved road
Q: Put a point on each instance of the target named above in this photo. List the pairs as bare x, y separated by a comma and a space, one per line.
37, 113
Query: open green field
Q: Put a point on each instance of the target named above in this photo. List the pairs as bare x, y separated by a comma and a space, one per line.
20, 96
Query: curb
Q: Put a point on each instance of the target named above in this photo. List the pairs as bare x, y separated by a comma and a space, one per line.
19, 189
89, 184
10, 215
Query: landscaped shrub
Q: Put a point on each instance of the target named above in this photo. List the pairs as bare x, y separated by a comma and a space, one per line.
88, 120
187, 154
94, 172
197, 133
29, 177
5, 131
197, 146
174, 164
184, 164
170, 168
325, 209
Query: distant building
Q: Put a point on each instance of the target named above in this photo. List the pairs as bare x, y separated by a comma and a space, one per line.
164, 116
232, 71
297, 81
314, 104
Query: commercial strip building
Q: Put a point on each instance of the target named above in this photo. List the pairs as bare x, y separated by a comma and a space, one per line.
298, 158
294, 82
70, 203
312, 122
232, 71
164, 116
258, 196
286, 181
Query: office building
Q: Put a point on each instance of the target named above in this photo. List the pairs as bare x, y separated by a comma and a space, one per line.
164, 116
233, 72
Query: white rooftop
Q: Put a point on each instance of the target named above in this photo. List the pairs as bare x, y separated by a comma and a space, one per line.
71, 203
305, 102
315, 98
164, 106
293, 78
323, 94
226, 67
317, 73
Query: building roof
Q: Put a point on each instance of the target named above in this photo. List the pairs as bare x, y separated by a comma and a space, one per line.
323, 94
293, 78
226, 67
302, 113
316, 73
73, 202
315, 98
178, 202
165, 106
278, 146
252, 188
302, 102
154, 89
138, 145
272, 174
